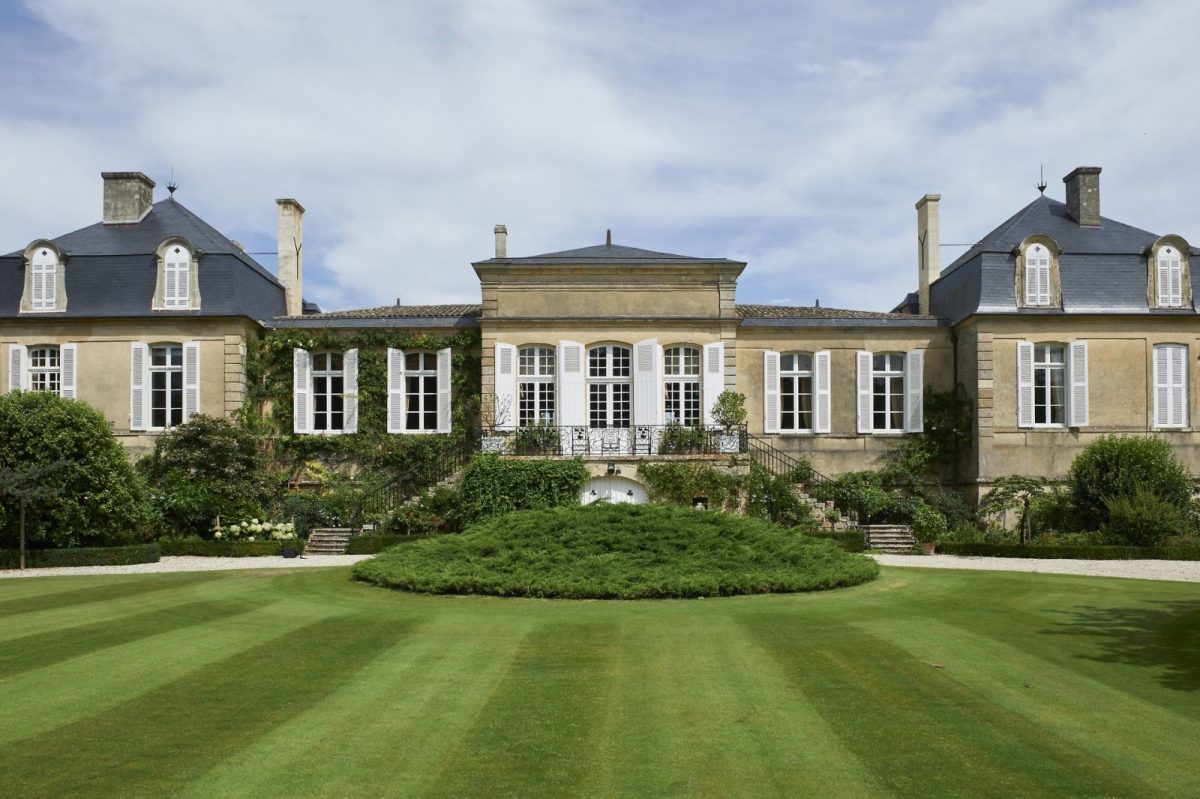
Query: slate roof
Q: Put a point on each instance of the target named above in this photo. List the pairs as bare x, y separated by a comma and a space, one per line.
608, 253
111, 270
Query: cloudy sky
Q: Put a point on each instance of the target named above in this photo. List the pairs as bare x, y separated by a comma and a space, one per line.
793, 135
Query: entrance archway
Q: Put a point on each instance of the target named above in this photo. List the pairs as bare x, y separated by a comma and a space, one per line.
616, 490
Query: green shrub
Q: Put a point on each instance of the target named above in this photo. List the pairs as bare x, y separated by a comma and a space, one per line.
1075, 552
95, 496
849, 540
307, 511
618, 552
1142, 519
1052, 511
372, 544
200, 547
683, 483
678, 439
862, 493
773, 498
81, 556
492, 485
206, 468
1114, 466
729, 409
436, 511
928, 525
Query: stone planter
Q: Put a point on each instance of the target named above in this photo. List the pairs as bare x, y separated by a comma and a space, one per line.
492, 444
928, 547
728, 443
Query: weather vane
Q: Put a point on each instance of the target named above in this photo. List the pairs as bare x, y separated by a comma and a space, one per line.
1041, 187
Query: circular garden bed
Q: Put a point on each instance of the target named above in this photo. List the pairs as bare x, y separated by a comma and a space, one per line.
618, 552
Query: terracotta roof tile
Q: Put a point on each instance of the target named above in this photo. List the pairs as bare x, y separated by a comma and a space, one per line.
399, 312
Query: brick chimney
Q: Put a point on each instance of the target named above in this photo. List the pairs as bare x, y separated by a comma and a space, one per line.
501, 241
1083, 195
290, 244
128, 197
929, 264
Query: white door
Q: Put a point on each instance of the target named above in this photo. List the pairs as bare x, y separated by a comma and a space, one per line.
615, 490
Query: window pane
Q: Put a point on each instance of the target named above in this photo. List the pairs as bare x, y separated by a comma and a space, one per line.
412, 361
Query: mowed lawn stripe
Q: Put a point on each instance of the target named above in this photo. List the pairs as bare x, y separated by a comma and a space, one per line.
159, 742
1091, 715
923, 733
696, 706
537, 734
40, 700
386, 731
26, 595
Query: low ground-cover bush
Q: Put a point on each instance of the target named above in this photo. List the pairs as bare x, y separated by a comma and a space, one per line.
618, 552
849, 540
1081, 552
200, 547
372, 544
81, 556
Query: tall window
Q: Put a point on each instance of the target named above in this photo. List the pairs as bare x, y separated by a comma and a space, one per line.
1049, 384
681, 372
887, 388
177, 267
420, 388
166, 385
45, 369
1170, 278
795, 392
329, 385
535, 389
1170, 385
45, 279
610, 386
1037, 275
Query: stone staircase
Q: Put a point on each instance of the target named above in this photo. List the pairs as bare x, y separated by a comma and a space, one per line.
895, 539
328, 541
826, 514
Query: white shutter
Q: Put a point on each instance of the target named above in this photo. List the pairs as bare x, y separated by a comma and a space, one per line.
570, 384
139, 389
1077, 368
183, 284
39, 287
865, 398
1043, 281
396, 397
18, 367
350, 391
301, 391
1170, 385
191, 379
821, 381
1031, 279
68, 363
169, 286
1024, 384
49, 296
1179, 405
443, 390
506, 387
1162, 379
914, 391
714, 377
770, 392
647, 383
1163, 271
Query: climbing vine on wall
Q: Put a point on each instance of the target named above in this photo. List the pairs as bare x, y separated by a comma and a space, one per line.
268, 408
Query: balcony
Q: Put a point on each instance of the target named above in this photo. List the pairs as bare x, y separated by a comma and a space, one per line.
640, 439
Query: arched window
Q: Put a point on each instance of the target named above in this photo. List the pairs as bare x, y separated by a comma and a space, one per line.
610, 386
681, 385
535, 386
44, 265
1037, 275
177, 276
1169, 277
795, 392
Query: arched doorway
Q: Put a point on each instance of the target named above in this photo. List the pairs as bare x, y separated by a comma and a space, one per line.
617, 490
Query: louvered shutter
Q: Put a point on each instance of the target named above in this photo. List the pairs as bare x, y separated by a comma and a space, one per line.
18, 367
1163, 270
396, 398
714, 377
770, 391
1024, 384
1170, 385
139, 389
1077, 368
68, 364
1162, 381
647, 383
191, 379
569, 359
821, 382
49, 286
39, 287
1031, 279
1044, 281
301, 391
183, 284
169, 278
350, 391
914, 391
444, 382
1178, 362
506, 387
865, 398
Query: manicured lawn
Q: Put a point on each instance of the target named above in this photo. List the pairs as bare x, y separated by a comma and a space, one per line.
306, 683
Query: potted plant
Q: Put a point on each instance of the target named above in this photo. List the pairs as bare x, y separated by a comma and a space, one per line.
729, 411
929, 526
495, 416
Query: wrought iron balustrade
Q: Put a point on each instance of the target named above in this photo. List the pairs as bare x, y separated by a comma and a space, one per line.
638, 439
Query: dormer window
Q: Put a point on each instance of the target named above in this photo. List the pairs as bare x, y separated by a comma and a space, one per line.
177, 285
1170, 278
44, 290
1168, 283
1037, 275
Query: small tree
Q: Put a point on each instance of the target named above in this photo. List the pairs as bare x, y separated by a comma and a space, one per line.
729, 410
1010, 493
1117, 466
27, 486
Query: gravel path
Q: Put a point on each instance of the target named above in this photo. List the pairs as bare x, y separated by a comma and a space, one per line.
1173, 570
191, 564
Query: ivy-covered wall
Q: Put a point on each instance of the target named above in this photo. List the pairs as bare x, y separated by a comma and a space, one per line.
268, 405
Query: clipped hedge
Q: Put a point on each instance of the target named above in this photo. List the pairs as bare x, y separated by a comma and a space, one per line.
492, 486
1076, 552
81, 556
226, 549
372, 544
849, 540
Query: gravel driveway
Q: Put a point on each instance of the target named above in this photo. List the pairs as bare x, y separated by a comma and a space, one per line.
192, 564
1174, 570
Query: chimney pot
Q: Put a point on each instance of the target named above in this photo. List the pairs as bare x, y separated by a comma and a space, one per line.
929, 264
128, 197
1083, 195
290, 249
501, 241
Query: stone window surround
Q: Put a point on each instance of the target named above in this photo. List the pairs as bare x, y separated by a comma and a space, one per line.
1185, 249
60, 283
1049, 243
158, 303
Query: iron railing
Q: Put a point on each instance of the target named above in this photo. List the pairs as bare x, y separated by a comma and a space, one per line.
390, 495
638, 439
777, 461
